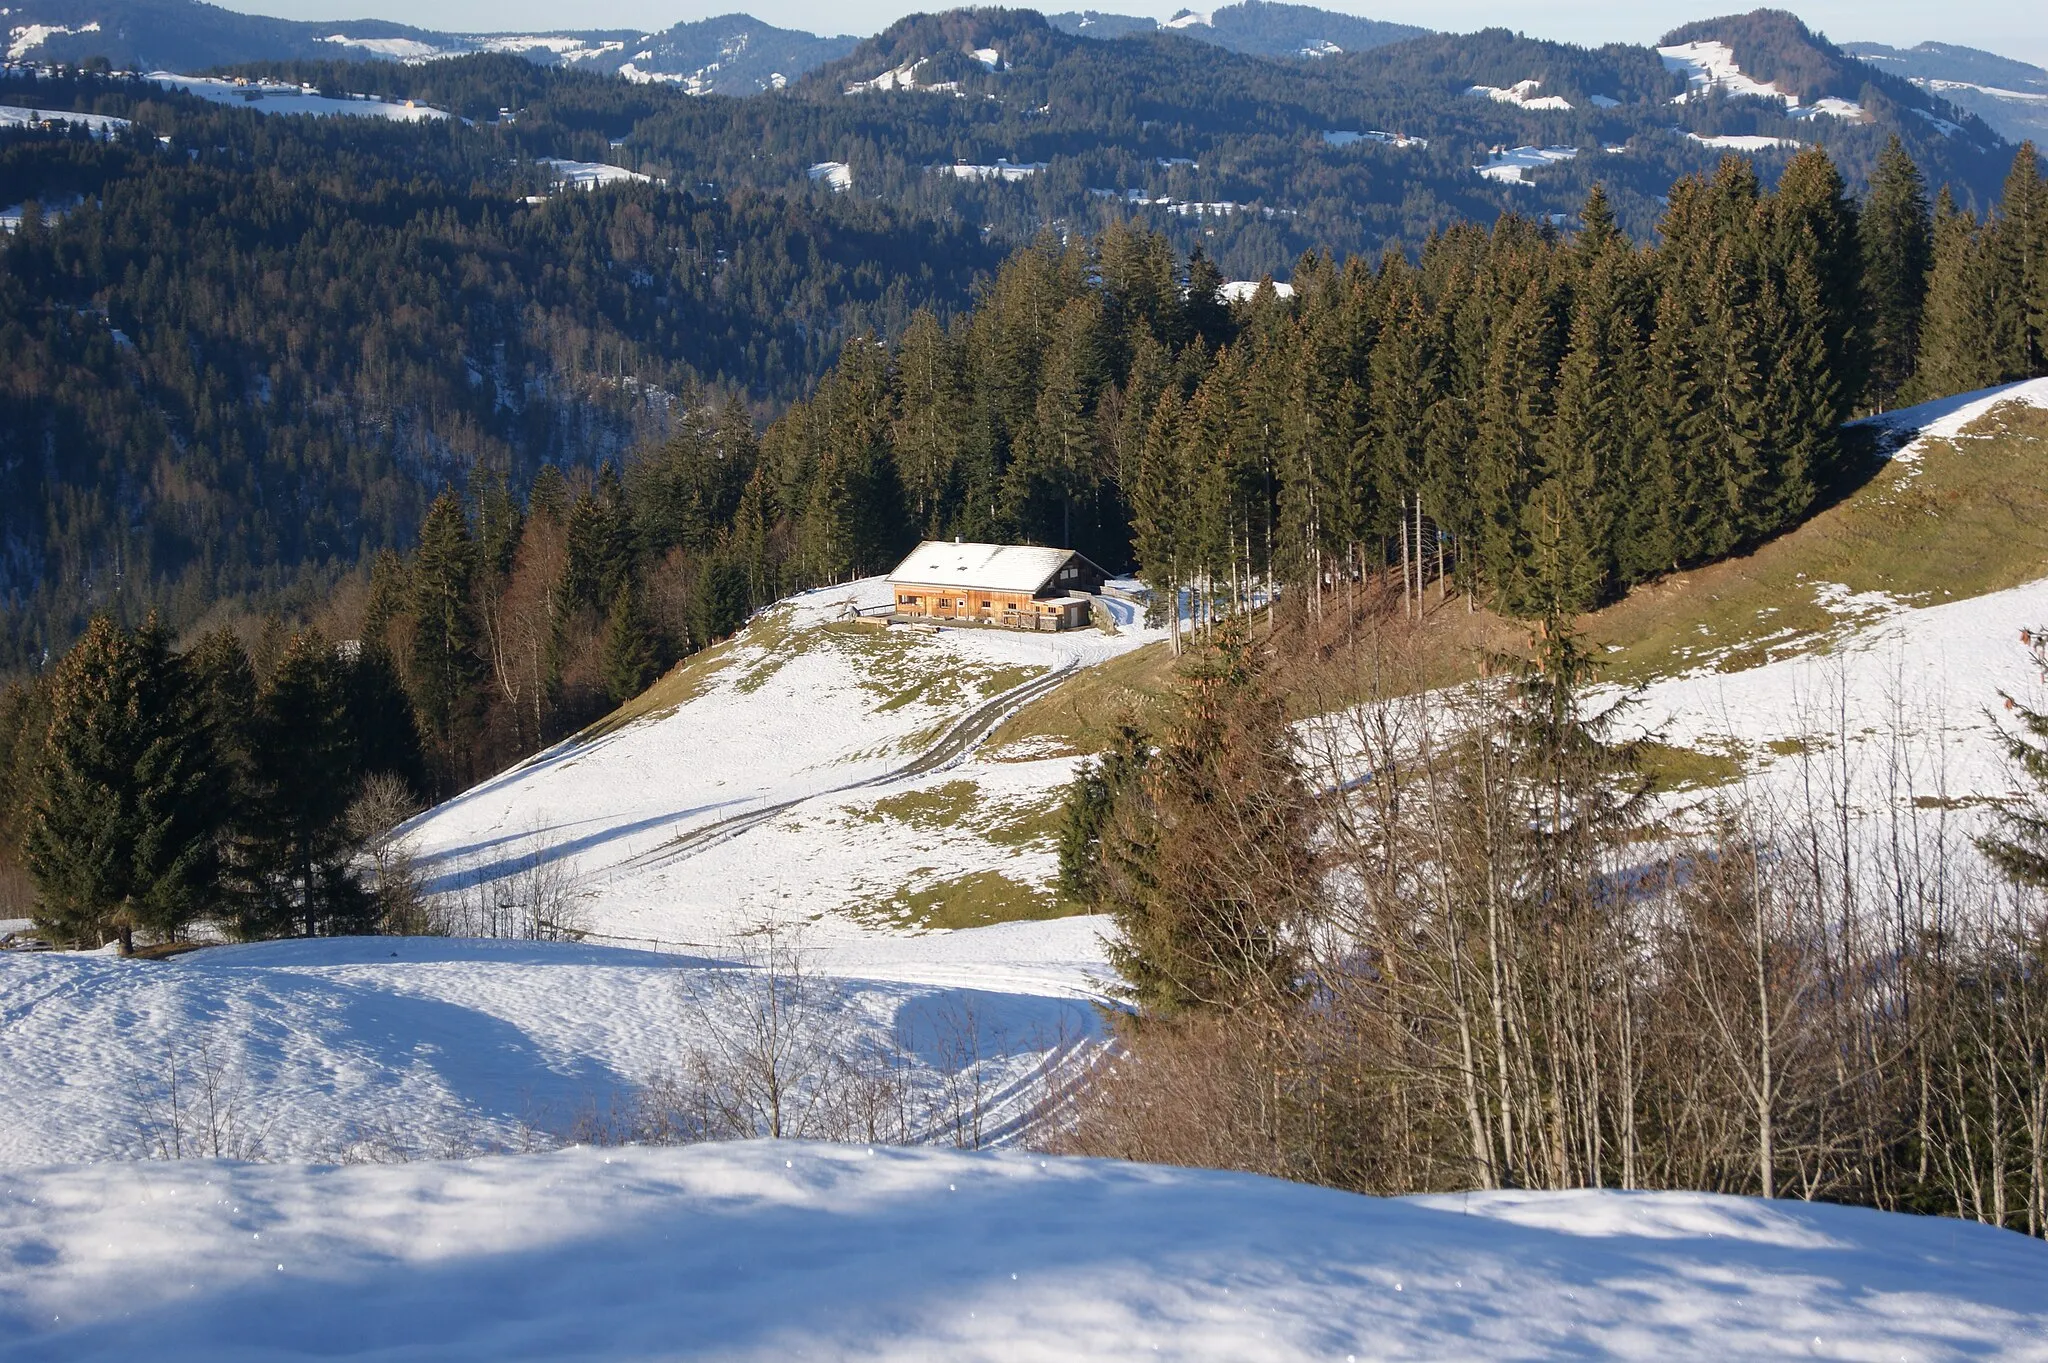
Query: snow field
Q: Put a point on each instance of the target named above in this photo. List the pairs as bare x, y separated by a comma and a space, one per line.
591, 174
16, 116
838, 862
1894, 710
1345, 138
836, 175
379, 1048
791, 1250
1710, 65
267, 97
1511, 165
1746, 142
1521, 93
1910, 429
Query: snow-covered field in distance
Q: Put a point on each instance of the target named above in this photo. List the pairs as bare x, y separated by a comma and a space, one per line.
790, 1250
16, 116
272, 97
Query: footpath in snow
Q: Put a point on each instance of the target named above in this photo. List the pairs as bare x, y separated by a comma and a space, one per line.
777, 1250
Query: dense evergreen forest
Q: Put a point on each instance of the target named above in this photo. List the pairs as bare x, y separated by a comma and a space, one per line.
1548, 418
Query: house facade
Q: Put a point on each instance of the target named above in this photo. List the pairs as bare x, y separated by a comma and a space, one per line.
1016, 586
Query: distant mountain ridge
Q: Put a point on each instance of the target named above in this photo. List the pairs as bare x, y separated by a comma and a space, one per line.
2011, 96
727, 54
1258, 28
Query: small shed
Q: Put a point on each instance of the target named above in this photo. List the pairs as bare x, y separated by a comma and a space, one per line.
1017, 586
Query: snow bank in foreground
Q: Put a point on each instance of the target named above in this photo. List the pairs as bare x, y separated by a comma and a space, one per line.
784, 1250
342, 1047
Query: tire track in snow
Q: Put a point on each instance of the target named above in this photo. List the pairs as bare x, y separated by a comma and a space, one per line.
952, 746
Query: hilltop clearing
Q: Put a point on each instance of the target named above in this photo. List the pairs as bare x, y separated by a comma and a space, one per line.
780, 1250
1956, 511
1871, 645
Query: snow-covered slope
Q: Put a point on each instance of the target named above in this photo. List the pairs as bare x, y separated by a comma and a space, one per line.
1900, 695
2011, 96
783, 1250
273, 97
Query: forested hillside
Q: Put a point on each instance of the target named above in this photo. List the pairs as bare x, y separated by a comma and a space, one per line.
250, 355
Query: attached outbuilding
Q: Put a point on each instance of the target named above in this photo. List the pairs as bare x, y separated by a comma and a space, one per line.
1017, 586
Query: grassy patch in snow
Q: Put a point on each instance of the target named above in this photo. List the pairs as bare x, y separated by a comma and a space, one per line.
976, 900
942, 806
679, 685
962, 804
1969, 517
1029, 823
1079, 716
899, 668
1673, 768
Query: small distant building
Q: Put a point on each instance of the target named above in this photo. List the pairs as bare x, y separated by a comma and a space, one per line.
1018, 586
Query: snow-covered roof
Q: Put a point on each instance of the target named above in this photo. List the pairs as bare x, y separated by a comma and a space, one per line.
989, 567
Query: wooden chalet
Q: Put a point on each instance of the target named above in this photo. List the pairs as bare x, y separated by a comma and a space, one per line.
1017, 586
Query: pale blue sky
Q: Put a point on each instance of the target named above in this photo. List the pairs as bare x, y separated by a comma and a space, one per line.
2015, 28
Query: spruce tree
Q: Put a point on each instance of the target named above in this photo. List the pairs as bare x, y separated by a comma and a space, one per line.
631, 659
293, 863
549, 494
1898, 251
930, 425
1814, 226
1205, 860
1515, 408
130, 809
444, 662
384, 735
720, 602
1955, 354
1157, 491
226, 689
1588, 444
2015, 262
600, 545
1091, 799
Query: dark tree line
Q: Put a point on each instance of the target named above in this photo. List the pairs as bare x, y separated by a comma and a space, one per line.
239, 373
148, 788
